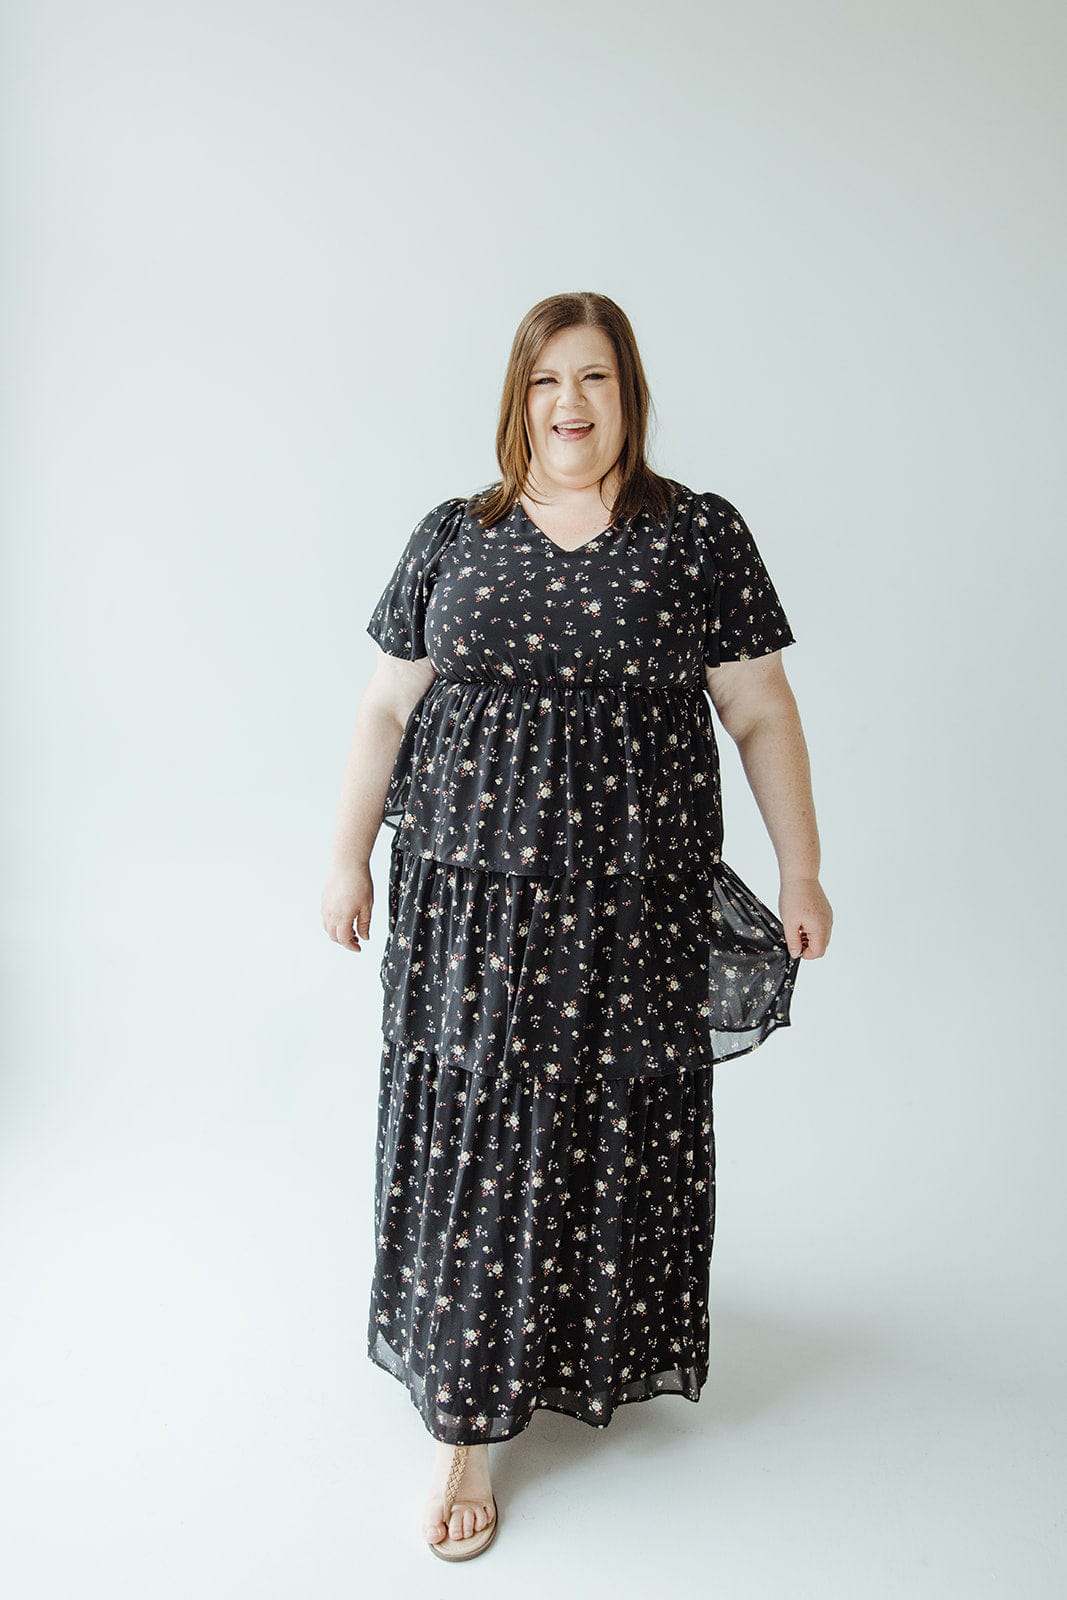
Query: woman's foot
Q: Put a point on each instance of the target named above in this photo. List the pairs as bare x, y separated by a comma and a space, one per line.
473, 1506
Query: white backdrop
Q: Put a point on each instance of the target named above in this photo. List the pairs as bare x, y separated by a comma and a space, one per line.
263, 267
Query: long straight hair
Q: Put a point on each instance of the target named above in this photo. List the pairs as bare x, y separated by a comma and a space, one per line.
639, 487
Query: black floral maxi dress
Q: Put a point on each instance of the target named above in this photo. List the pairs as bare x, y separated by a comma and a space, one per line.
567, 956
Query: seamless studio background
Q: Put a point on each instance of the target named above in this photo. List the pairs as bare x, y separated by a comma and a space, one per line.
264, 264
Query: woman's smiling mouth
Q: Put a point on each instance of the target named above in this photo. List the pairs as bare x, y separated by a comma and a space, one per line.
572, 430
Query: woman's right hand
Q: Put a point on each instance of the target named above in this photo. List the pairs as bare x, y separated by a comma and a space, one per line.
347, 901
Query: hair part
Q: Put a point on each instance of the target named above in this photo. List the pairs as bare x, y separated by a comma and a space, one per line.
640, 488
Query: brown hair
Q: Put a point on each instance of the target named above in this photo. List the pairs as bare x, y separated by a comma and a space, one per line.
639, 487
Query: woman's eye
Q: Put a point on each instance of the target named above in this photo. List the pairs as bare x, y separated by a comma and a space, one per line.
600, 375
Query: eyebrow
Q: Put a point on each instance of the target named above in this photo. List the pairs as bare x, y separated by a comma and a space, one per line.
600, 365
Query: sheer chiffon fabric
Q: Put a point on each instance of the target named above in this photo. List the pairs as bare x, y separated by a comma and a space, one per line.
579, 976
539, 1246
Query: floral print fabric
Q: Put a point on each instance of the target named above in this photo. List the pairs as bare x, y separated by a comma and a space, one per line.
567, 957
558, 902
539, 1246
579, 976
568, 724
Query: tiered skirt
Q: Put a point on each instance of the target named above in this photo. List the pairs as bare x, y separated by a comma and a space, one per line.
545, 1165
539, 1246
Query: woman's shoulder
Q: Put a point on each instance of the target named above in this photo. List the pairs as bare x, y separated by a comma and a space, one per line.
432, 534
702, 512
711, 532
705, 502
440, 524
446, 511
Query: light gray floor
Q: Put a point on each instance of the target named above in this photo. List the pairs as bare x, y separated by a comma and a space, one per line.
185, 1255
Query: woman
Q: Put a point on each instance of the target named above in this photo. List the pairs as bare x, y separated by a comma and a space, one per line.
567, 952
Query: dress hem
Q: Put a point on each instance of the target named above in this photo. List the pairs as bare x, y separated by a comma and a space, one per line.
689, 1381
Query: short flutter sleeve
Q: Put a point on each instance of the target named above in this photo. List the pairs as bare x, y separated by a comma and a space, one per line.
744, 616
398, 620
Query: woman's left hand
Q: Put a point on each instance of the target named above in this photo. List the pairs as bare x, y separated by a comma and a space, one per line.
807, 917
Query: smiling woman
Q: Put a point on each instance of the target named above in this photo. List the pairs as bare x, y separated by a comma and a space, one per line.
567, 956
575, 430
574, 358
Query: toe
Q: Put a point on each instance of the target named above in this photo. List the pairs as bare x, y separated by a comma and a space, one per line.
455, 1524
433, 1529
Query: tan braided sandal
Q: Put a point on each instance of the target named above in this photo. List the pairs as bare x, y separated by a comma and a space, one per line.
450, 1549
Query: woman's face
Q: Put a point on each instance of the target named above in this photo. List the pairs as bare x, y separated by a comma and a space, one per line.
575, 380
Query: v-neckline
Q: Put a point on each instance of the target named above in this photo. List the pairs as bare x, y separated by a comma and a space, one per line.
562, 549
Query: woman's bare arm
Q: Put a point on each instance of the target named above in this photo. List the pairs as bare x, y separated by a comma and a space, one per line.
755, 704
394, 689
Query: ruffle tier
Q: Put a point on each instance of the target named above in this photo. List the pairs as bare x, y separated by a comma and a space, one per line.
580, 975
539, 1246
546, 777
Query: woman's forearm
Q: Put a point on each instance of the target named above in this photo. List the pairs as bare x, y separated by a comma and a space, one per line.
368, 768
774, 755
